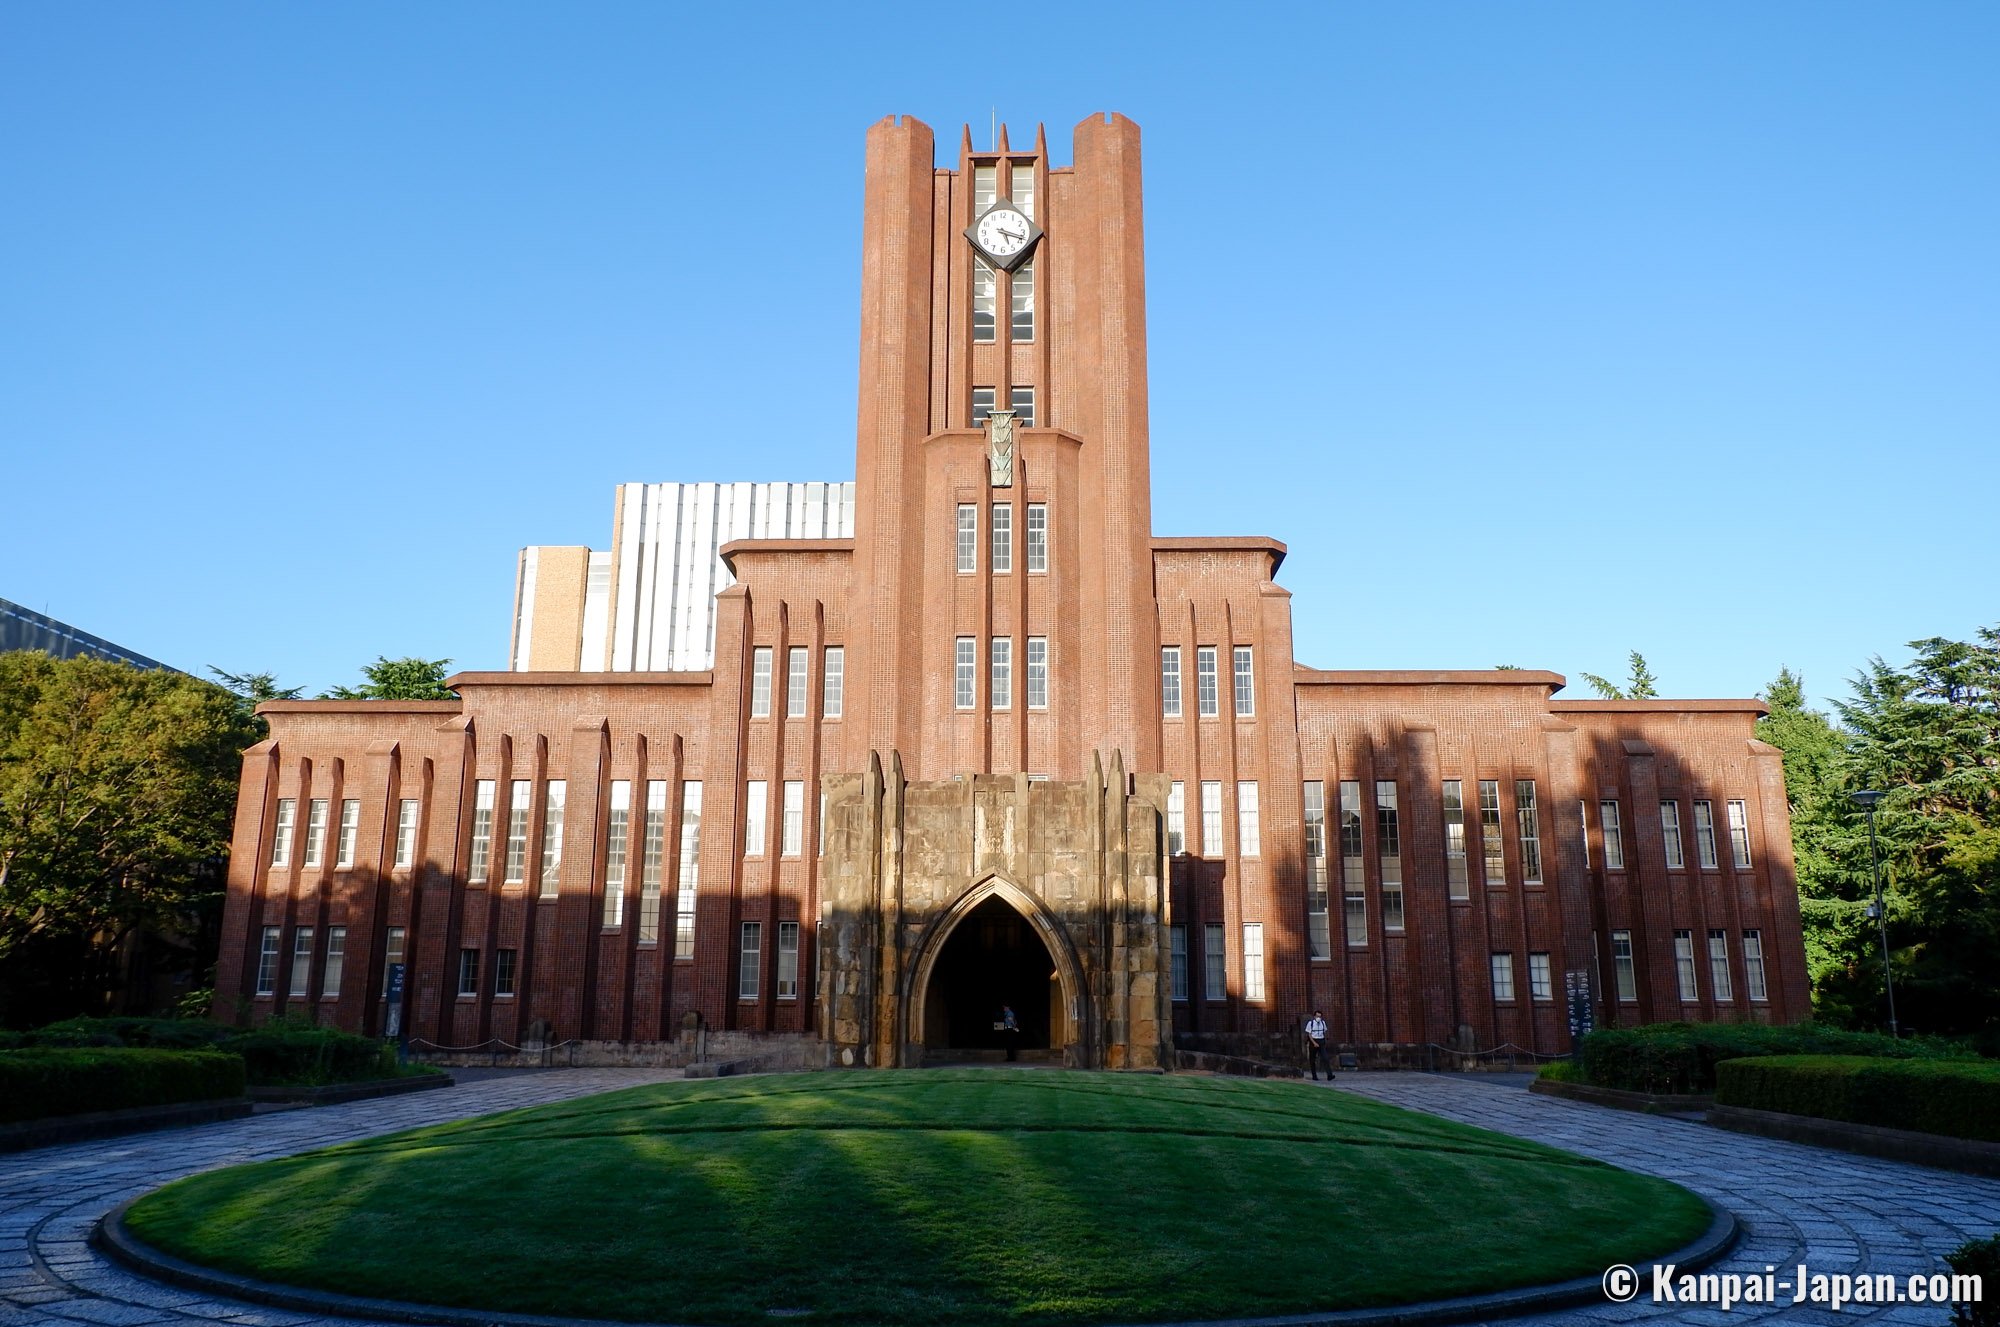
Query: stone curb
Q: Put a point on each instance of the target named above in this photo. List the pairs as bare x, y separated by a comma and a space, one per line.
58, 1129
112, 1238
1968, 1155
1648, 1103
334, 1094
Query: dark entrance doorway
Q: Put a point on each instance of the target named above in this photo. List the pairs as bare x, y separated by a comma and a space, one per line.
993, 957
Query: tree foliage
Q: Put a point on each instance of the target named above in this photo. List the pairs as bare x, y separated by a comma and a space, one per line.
1641, 685
252, 690
117, 787
399, 679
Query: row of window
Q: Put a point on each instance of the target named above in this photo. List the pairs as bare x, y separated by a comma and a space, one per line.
986, 302
798, 666
1001, 550
1687, 969
1207, 698
999, 673
1215, 962
1020, 400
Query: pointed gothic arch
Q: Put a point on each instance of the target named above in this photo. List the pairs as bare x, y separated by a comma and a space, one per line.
1076, 1042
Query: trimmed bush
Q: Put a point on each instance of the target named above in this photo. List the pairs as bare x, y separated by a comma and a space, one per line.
1675, 1058
51, 1080
1561, 1071
167, 1034
1956, 1098
1980, 1258
310, 1057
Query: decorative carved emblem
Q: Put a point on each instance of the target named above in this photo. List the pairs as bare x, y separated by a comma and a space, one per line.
1000, 439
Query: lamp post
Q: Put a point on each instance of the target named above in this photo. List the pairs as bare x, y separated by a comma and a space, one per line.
1866, 799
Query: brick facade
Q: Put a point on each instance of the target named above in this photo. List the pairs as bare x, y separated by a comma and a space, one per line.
1065, 810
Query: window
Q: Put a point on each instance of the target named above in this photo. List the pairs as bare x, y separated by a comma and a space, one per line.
281, 835
985, 301
1176, 818
1003, 538
1541, 984
821, 849
1670, 834
1170, 681
788, 960
1211, 819
406, 832
302, 956
793, 834
1204, 690
350, 829
1389, 850
517, 832
750, 974
1739, 834
555, 797
968, 538
1038, 672
1253, 960
982, 404
468, 972
985, 188
1215, 963
505, 962
267, 962
834, 681
760, 682
1528, 822
1684, 964
690, 872
1038, 538
1457, 884
1621, 962
1319, 935
966, 680
1003, 672
316, 831
1614, 836
756, 797
652, 858
1353, 885
482, 832
795, 682
1704, 834
1022, 401
336, 961
1248, 840
618, 825
1489, 832
1024, 301
1583, 819
1753, 965
1177, 967
1718, 966
392, 954
1503, 976
1246, 683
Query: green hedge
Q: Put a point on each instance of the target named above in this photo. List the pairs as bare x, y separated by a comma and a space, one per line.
311, 1056
1957, 1098
167, 1034
1670, 1058
53, 1080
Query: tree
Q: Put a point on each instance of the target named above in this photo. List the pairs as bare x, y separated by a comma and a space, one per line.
117, 789
1641, 686
252, 690
399, 679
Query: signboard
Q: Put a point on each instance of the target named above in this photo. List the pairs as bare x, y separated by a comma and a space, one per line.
392, 1026
1582, 1016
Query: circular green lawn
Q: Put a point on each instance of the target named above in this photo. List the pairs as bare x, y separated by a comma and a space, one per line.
928, 1196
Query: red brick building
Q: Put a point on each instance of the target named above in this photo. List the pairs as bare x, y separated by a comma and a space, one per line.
1007, 747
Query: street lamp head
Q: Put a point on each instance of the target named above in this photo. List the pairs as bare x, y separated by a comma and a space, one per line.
1865, 798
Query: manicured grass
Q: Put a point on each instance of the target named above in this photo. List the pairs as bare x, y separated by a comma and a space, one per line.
931, 1196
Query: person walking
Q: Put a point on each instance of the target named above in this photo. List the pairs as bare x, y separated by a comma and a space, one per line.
1011, 1029
1316, 1046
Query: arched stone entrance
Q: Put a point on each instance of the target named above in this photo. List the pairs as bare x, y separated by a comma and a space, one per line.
996, 947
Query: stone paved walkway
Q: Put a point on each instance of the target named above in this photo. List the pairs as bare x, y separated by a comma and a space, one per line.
51, 1197
1834, 1212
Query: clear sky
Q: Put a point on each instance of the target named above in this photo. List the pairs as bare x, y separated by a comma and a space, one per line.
1539, 332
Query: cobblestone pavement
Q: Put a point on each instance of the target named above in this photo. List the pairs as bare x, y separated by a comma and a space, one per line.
51, 1197
1832, 1211
1835, 1213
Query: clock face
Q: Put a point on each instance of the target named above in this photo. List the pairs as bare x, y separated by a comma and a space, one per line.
1003, 232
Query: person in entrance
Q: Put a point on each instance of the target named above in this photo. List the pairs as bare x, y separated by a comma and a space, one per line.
1316, 1046
1010, 1028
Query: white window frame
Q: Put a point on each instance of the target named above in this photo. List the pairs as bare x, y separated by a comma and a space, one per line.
788, 961
1253, 961
1319, 917
1755, 982
1739, 833
520, 796
555, 804
1528, 830
1038, 538
1002, 538
506, 973
797, 662
1243, 671
1211, 819
687, 886
982, 403
268, 949
283, 828
965, 674
1001, 692
1502, 968
1021, 400
1670, 835
468, 973
299, 975
1176, 818
1704, 835
1038, 673
756, 809
1177, 962
792, 838
1457, 868
1613, 831
968, 537
334, 969
1170, 681
480, 857
1492, 849
316, 813
407, 811
394, 943
1624, 966
652, 861
985, 301
1541, 978
750, 962
1389, 853
350, 831
1249, 836
1207, 703
617, 850
1685, 969
760, 682
1214, 964
1719, 983
833, 683
1353, 874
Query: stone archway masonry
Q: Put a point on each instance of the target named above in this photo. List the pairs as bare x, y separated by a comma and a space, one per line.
1080, 860
1797, 1204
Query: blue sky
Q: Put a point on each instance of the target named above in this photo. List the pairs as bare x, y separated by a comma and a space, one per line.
1539, 332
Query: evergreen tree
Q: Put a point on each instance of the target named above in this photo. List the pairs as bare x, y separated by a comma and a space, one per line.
1641, 685
399, 679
